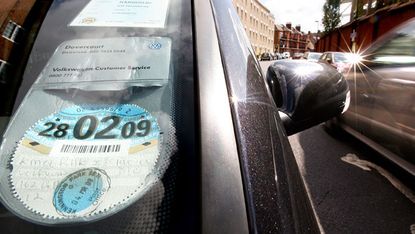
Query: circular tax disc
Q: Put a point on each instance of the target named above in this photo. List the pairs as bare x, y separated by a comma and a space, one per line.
85, 162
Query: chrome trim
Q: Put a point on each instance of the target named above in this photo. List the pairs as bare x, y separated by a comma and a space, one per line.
3, 70
3, 65
4, 62
11, 31
223, 201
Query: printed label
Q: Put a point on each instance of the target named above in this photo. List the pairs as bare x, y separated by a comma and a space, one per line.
94, 148
121, 13
81, 192
141, 61
86, 160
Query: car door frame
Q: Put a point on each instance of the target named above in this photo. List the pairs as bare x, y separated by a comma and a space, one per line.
274, 191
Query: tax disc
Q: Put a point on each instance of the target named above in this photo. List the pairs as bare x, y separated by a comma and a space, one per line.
85, 162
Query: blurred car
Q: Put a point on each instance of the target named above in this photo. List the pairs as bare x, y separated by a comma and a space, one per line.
128, 129
298, 55
382, 109
339, 60
312, 56
266, 56
286, 55
277, 56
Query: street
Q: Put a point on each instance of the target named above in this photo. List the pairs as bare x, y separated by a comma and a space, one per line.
348, 199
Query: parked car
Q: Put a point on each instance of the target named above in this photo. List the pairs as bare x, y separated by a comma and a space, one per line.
341, 61
298, 55
286, 55
312, 56
266, 56
277, 56
382, 90
118, 125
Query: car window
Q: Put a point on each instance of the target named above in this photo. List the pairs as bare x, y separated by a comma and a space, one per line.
399, 49
313, 56
341, 58
20, 23
94, 130
329, 56
378, 110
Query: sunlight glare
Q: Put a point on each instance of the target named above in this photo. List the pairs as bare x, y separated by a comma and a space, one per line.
305, 71
234, 99
355, 58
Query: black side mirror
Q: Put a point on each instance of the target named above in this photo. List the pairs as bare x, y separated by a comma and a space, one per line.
306, 93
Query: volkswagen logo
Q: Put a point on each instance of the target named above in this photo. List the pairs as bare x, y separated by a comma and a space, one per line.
154, 45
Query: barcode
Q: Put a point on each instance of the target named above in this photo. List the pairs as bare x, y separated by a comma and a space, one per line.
90, 149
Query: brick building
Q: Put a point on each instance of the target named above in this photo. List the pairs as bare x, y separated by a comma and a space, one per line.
370, 20
291, 39
258, 23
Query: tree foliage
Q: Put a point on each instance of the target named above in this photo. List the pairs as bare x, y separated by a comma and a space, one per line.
331, 17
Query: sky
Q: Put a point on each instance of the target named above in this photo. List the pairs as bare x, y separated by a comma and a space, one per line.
303, 12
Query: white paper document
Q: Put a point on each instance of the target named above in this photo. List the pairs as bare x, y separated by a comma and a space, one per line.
138, 60
123, 13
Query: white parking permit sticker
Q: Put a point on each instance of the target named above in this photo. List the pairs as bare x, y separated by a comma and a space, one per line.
86, 160
143, 61
123, 13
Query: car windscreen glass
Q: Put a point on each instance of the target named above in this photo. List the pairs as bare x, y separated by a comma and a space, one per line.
20, 22
97, 130
342, 58
398, 49
314, 56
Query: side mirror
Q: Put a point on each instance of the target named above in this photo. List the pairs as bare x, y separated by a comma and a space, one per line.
306, 93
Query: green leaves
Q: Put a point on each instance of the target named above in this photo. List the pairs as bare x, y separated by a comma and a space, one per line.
331, 17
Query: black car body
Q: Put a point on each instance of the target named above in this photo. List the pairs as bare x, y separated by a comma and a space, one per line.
229, 167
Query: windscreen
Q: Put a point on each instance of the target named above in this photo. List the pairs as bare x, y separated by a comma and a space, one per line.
342, 58
100, 131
